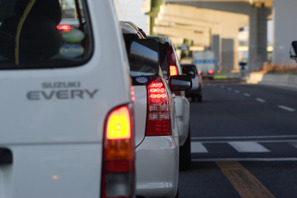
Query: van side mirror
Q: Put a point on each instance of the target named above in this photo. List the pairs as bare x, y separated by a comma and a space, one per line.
180, 83
293, 51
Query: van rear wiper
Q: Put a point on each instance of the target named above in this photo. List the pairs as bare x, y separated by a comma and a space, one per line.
5, 156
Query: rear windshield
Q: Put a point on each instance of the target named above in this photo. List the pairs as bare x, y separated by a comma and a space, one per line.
164, 59
43, 33
143, 56
167, 58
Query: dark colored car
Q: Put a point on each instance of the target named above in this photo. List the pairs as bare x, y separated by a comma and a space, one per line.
196, 91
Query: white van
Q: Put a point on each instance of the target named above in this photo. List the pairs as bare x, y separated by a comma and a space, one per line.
65, 106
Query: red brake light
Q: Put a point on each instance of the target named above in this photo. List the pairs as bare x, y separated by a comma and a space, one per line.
210, 71
118, 155
158, 119
64, 28
132, 93
173, 70
199, 72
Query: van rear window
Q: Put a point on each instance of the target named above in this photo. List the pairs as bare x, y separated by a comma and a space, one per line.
43, 34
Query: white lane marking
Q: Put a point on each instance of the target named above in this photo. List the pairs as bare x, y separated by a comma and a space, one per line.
245, 159
229, 89
259, 141
294, 144
249, 147
260, 100
286, 108
237, 91
197, 147
243, 137
247, 94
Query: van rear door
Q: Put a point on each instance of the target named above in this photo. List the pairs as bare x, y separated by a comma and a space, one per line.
58, 88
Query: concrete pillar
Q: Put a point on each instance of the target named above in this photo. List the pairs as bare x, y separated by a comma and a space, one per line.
215, 47
257, 37
285, 30
227, 55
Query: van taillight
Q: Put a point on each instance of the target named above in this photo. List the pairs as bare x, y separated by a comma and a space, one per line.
173, 70
210, 72
158, 114
118, 178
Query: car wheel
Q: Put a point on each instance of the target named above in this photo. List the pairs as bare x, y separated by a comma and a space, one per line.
185, 154
199, 98
177, 194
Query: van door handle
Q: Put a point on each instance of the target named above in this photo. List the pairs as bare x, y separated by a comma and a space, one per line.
5, 156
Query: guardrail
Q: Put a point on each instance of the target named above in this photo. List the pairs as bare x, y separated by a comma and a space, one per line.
287, 80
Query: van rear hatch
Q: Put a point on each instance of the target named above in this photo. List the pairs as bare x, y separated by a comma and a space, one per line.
54, 98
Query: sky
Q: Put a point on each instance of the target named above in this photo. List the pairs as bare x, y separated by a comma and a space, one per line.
130, 10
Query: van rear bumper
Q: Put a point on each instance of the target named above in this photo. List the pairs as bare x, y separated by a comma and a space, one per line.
52, 170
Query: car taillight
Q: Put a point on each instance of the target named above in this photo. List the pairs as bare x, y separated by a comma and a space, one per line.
132, 93
64, 28
118, 178
210, 72
199, 72
200, 81
173, 70
158, 114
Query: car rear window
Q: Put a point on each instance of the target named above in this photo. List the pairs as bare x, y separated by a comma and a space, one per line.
164, 59
143, 56
44, 33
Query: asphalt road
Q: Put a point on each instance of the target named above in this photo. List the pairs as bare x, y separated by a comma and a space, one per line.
244, 142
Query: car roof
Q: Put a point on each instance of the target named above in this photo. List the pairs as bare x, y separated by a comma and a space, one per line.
160, 39
130, 28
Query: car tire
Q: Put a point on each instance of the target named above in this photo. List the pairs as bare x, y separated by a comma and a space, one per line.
177, 194
199, 98
185, 154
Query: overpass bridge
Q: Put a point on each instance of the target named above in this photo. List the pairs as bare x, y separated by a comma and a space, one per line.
215, 25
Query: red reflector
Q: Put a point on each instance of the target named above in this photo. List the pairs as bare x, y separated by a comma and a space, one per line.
210, 71
173, 70
64, 28
119, 166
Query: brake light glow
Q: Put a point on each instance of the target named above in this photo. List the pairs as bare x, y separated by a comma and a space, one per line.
119, 124
118, 178
64, 28
158, 119
210, 71
132, 93
173, 70
199, 72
